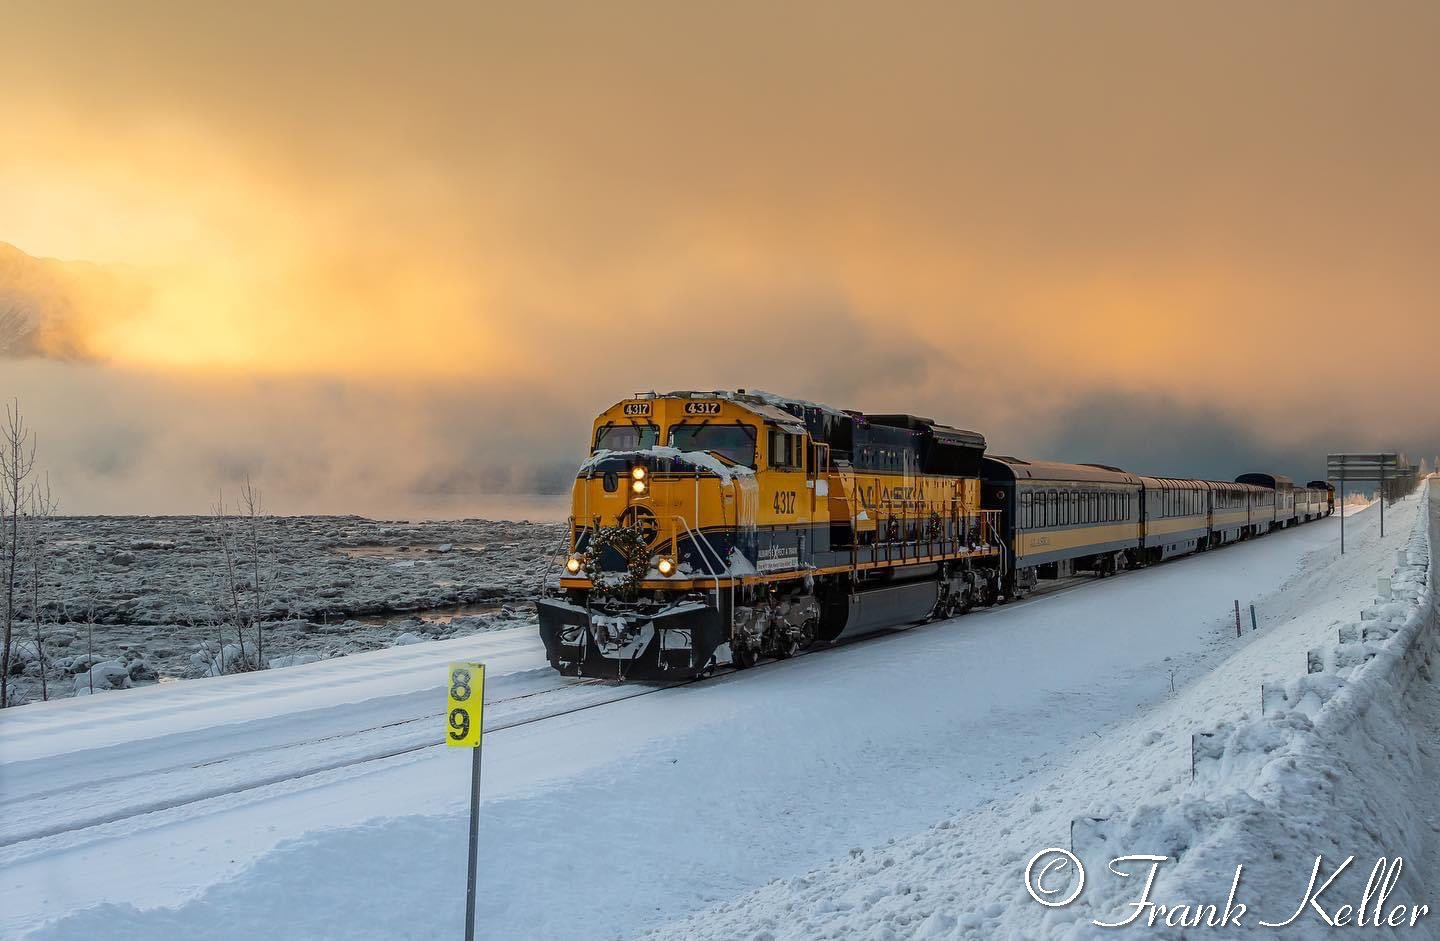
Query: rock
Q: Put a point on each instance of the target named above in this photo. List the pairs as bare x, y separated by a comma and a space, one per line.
110, 674
406, 639
294, 660
141, 670
76, 664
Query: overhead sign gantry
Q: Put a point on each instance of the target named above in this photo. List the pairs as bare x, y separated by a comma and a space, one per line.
1357, 468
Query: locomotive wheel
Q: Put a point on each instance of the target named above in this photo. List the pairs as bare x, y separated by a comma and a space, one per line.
786, 646
743, 658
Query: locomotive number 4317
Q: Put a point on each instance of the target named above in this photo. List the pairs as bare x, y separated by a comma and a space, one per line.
702, 408
784, 501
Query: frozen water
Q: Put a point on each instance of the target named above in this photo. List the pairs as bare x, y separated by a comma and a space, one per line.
152, 589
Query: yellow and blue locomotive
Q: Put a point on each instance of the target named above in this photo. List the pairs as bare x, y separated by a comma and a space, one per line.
714, 528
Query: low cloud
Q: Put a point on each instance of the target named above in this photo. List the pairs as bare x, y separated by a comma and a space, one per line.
361, 252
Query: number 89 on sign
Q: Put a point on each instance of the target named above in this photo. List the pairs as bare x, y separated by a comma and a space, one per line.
464, 719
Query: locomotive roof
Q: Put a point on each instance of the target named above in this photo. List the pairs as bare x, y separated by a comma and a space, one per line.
777, 415
789, 413
1272, 481
945, 434
1017, 469
764, 405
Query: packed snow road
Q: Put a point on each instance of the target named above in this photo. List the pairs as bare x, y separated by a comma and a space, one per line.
308, 802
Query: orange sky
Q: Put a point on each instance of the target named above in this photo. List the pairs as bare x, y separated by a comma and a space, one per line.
990, 213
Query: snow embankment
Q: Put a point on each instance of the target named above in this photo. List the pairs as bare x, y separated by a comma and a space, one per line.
1256, 763
1335, 765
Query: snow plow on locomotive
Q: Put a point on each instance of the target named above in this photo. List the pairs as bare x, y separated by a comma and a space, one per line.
718, 528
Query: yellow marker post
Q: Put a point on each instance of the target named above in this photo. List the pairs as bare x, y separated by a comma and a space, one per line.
464, 728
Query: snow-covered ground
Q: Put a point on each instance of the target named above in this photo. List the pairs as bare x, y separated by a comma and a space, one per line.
894, 787
1341, 758
146, 593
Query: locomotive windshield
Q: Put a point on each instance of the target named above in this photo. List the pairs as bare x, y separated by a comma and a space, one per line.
735, 443
627, 437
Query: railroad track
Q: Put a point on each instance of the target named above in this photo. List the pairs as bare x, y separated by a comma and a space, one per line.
392, 751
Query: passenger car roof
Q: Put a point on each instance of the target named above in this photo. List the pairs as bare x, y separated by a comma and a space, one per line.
1014, 468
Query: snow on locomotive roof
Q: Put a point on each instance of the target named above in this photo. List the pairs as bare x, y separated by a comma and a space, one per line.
1053, 470
761, 406
780, 401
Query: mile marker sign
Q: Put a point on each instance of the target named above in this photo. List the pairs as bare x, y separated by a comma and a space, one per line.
466, 711
464, 728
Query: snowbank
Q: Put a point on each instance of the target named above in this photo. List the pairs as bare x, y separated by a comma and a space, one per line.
1331, 767
1334, 766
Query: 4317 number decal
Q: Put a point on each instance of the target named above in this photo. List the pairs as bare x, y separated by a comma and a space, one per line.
784, 501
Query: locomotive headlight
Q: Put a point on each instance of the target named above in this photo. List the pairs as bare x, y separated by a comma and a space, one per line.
666, 567
638, 472
572, 564
637, 485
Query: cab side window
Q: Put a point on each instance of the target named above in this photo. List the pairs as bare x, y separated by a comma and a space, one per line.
786, 450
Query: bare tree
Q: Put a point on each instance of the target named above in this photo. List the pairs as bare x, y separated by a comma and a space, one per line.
250, 501
42, 507
85, 577
17, 463
225, 536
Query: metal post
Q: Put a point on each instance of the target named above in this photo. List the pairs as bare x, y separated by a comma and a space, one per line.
1253, 624
1237, 617
1342, 506
1382, 497
474, 843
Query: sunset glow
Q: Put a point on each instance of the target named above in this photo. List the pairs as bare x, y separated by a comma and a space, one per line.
983, 214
